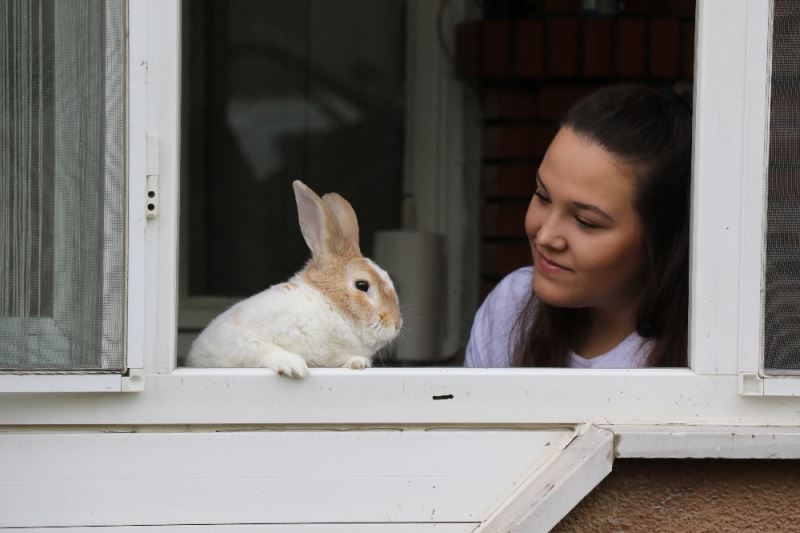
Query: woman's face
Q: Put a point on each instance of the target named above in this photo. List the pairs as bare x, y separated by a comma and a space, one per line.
585, 235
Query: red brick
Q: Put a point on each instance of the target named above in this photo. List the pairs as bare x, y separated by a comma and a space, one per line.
562, 46
598, 47
555, 100
664, 48
501, 258
558, 7
509, 180
638, 7
467, 50
680, 8
495, 54
529, 49
631, 47
687, 50
517, 141
509, 102
544, 102
483, 49
504, 220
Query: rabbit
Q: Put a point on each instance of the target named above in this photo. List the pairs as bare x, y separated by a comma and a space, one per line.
337, 311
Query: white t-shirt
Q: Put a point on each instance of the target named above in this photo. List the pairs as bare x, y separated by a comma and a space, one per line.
492, 337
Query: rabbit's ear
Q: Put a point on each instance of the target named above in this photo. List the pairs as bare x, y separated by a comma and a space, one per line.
347, 220
313, 218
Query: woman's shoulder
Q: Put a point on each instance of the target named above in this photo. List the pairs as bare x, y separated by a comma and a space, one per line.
517, 286
509, 296
491, 335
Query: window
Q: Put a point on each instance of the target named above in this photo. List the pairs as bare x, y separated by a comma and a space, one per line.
274, 92
327, 93
62, 173
220, 410
782, 269
731, 103
721, 297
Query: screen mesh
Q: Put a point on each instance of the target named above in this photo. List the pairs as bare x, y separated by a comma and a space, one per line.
62, 184
782, 268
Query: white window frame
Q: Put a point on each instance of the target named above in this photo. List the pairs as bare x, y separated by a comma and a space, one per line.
727, 323
139, 94
731, 103
755, 162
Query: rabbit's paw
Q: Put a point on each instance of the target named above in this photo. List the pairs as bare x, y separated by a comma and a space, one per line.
288, 364
358, 363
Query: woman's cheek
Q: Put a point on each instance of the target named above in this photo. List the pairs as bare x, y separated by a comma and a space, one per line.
531, 220
611, 260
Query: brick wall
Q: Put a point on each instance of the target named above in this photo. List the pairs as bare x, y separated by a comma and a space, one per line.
530, 60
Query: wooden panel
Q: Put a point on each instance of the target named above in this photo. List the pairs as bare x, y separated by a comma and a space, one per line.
269, 528
90, 479
544, 499
701, 442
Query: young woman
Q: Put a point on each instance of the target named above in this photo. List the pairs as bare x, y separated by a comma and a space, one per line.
608, 228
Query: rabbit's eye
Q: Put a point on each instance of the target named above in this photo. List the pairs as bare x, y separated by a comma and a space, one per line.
362, 285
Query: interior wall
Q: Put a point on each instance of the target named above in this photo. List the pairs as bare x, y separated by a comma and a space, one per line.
692, 495
530, 60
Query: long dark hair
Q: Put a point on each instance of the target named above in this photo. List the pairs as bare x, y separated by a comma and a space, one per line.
651, 131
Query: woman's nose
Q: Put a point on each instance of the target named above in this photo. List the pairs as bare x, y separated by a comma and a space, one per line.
550, 233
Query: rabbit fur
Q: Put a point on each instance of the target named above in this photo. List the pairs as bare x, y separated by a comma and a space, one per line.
322, 316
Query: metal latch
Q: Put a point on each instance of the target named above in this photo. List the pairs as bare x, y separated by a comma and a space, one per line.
152, 198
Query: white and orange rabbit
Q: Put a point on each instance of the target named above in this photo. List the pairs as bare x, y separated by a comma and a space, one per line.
337, 311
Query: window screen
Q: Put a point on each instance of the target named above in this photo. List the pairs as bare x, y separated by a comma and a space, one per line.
782, 276
62, 184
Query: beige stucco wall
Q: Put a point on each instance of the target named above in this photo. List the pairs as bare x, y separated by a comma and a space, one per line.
692, 495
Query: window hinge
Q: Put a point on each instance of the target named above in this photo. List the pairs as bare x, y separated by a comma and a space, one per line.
152, 199
751, 384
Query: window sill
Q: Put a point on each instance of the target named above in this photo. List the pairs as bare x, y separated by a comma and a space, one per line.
54, 382
404, 396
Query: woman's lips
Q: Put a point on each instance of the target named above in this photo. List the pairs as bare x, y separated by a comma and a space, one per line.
544, 264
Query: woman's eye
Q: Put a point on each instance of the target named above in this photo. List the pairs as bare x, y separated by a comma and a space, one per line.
362, 285
585, 223
542, 198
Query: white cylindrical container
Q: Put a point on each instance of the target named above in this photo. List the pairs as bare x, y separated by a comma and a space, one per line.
415, 262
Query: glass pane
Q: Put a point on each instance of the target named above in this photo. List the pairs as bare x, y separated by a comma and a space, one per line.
62, 184
277, 91
782, 276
